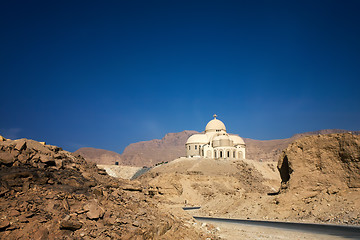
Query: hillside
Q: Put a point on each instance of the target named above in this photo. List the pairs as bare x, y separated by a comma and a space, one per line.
48, 193
320, 182
148, 153
99, 156
199, 181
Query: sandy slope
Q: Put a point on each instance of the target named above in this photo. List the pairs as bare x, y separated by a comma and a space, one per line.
203, 181
321, 185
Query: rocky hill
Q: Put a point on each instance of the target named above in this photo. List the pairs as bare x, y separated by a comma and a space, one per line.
48, 193
149, 153
100, 156
200, 181
320, 182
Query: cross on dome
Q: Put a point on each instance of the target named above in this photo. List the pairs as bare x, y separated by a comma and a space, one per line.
215, 116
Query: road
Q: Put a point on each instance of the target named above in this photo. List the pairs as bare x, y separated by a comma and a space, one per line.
350, 232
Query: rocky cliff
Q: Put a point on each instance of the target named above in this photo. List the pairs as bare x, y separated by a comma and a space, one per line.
48, 193
270, 150
330, 161
321, 178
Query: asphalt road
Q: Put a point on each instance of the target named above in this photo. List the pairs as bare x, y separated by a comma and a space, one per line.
351, 232
191, 208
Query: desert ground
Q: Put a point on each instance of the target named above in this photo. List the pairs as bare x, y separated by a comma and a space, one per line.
49, 193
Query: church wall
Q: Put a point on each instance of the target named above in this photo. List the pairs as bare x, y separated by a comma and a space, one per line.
193, 149
197, 149
208, 151
240, 152
225, 153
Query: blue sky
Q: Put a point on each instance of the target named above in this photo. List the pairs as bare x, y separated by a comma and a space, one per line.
105, 74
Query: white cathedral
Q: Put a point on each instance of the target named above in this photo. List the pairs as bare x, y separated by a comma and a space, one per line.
215, 143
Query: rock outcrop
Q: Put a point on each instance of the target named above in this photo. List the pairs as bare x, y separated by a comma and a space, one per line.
329, 161
270, 150
49, 193
321, 178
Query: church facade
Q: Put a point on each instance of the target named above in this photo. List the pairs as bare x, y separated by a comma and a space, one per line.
215, 143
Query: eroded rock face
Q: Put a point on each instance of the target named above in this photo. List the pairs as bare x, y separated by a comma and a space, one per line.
321, 179
325, 160
270, 150
48, 193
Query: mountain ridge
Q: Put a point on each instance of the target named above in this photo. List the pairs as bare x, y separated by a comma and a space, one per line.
171, 146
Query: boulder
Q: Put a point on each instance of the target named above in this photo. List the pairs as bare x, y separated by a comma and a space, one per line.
4, 223
6, 158
94, 211
38, 147
20, 144
42, 233
48, 160
71, 225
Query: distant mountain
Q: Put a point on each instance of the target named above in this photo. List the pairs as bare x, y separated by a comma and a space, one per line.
148, 153
100, 156
172, 146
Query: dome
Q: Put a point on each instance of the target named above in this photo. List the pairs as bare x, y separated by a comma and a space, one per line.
237, 140
198, 138
214, 125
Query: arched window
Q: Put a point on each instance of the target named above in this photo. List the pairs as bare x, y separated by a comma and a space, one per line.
221, 154
228, 154
195, 147
233, 154
189, 147
215, 153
